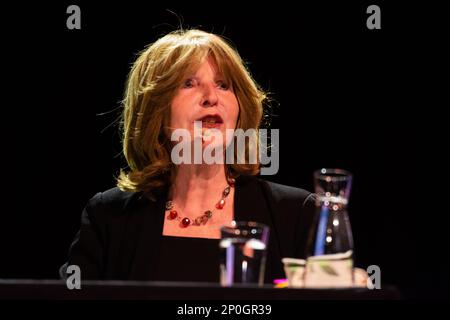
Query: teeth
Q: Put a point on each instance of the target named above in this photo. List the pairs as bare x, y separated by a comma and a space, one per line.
210, 120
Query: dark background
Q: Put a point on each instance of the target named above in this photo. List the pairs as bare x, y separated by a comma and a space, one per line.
369, 101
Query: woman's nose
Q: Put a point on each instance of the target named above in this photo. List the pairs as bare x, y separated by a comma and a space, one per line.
210, 97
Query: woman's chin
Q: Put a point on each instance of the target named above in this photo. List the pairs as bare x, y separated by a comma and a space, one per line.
210, 145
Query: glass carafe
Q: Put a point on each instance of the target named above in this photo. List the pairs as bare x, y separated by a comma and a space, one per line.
330, 241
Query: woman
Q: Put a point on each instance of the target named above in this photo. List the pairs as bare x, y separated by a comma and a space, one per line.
162, 221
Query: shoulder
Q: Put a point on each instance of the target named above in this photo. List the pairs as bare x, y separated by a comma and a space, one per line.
280, 193
114, 201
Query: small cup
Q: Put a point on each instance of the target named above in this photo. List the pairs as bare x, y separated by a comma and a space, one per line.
294, 269
243, 253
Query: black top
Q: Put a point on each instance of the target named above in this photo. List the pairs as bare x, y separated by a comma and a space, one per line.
188, 259
121, 232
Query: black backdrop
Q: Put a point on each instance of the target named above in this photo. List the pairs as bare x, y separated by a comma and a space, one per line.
364, 100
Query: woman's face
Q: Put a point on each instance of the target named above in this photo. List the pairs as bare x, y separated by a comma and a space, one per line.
205, 96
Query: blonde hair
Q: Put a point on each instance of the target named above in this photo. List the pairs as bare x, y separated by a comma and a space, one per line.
152, 83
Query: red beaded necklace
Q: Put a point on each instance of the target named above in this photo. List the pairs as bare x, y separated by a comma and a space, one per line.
202, 219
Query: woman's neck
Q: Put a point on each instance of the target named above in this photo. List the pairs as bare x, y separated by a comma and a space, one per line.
198, 185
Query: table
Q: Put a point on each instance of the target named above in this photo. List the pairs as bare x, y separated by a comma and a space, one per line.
90, 290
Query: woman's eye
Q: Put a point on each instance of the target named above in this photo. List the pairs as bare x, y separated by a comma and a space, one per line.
223, 85
189, 83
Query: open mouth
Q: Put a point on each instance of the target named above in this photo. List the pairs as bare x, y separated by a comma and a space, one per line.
211, 121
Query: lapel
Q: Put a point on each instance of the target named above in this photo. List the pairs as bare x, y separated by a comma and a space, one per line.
251, 204
147, 238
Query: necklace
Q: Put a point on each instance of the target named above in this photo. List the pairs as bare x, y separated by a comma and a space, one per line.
202, 219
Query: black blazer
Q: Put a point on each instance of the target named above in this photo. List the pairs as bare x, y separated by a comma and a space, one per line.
120, 231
